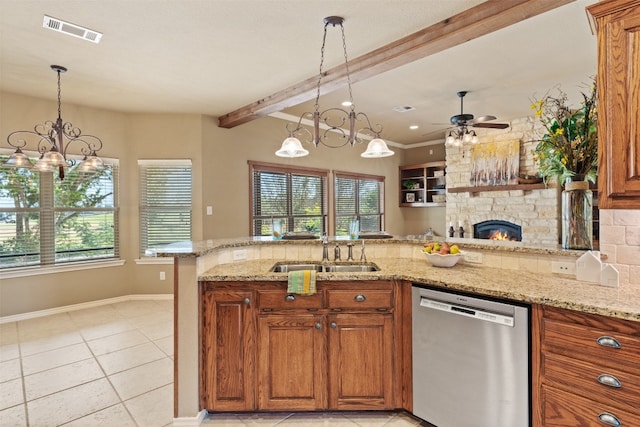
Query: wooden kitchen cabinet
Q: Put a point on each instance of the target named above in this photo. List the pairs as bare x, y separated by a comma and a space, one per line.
419, 183
265, 349
586, 369
228, 349
617, 23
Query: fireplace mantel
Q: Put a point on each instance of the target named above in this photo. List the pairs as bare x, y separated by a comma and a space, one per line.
478, 189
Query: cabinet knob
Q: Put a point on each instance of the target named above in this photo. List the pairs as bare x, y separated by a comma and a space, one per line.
609, 419
247, 301
607, 341
290, 297
334, 325
609, 380
318, 325
359, 298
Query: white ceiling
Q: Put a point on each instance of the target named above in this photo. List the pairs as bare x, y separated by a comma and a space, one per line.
215, 56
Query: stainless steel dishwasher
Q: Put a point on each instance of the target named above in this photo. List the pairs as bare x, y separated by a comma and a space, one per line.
471, 363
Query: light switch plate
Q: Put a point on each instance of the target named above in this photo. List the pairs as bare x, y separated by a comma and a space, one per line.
561, 267
473, 257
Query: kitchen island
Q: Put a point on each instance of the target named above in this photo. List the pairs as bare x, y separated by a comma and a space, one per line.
507, 271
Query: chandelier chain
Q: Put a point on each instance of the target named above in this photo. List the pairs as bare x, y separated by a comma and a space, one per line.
346, 65
59, 96
324, 39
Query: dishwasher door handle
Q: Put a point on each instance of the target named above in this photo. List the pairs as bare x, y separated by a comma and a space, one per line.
487, 316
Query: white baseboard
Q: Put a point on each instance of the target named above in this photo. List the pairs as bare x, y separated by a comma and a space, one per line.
190, 421
82, 306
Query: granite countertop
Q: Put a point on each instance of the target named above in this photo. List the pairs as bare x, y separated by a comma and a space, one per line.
622, 302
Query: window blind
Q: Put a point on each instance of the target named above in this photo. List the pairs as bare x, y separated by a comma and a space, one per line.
360, 197
45, 220
296, 197
165, 203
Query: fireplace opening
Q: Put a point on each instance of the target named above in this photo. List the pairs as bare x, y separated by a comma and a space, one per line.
497, 230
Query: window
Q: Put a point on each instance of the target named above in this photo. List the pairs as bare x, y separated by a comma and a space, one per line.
360, 197
165, 203
48, 221
296, 196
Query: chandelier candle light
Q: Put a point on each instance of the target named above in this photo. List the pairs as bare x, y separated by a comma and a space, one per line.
52, 140
334, 119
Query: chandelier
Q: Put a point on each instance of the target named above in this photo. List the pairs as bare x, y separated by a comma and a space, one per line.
333, 120
52, 140
461, 135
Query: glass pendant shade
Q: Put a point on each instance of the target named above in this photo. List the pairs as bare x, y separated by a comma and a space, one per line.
291, 147
19, 160
377, 148
54, 158
43, 166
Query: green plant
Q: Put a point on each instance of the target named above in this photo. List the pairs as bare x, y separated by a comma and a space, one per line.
569, 149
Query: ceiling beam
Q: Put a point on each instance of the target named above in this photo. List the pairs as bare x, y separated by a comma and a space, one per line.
477, 21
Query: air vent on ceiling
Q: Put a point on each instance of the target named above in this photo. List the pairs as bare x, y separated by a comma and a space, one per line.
403, 108
71, 29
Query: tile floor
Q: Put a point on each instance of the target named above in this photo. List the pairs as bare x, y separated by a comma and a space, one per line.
112, 365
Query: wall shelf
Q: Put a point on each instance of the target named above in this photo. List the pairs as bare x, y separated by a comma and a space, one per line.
540, 186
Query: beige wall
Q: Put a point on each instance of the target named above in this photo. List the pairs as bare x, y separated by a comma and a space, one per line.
221, 180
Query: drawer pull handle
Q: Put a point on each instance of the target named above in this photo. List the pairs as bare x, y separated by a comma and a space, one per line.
318, 325
360, 298
607, 341
247, 301
334, 325
609, 419
290, 297
609, 380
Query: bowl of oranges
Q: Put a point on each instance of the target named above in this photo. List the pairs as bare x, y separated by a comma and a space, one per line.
442, 254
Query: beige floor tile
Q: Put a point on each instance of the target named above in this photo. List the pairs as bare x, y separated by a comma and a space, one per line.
224, 420
9, 351
94, 316
8, 333
112, 416
54, 358
51, 342
128, 358
57, 324
116, 342
328, 419
151, 319
136, 308
158, 330
403, 420
10, 370
166, 345
71, 404
263, 419
61, 378
142, 379
15, 416
151, 409
11, 393
101, 330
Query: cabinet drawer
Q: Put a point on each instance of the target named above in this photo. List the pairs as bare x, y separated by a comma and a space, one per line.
280, 299
596, 341
381, 299
563, 409
583, 378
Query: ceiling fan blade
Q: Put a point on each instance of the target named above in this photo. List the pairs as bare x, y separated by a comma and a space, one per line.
484, 119
491, 125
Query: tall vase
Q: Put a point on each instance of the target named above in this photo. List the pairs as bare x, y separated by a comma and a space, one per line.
577, 216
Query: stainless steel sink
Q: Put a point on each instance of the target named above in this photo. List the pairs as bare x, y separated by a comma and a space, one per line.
285, 267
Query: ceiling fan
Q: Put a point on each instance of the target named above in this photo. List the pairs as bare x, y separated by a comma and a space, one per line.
463, 122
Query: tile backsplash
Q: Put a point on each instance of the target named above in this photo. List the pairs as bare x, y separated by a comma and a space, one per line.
620, 242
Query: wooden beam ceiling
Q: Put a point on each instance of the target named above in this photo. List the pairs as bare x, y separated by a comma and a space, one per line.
482, 19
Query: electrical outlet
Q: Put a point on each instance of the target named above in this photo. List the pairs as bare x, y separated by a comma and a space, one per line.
240, 254
163, 276
473, 257
209, 210
560, 267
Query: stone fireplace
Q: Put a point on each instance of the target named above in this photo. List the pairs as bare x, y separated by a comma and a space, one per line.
497, 230
534, 212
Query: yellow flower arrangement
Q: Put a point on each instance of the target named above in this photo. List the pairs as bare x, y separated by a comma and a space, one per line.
569, 149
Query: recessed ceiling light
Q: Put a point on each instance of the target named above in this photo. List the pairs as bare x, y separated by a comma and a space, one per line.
346, 104
414, 127
74, 30
403, 108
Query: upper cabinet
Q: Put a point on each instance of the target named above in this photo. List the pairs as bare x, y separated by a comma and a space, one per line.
423, 185
617, 23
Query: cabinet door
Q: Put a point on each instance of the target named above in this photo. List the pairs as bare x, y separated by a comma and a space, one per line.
361, 361
291, 362
228, 351
618, 25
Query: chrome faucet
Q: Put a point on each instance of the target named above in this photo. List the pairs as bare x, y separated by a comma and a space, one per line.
336, 253
350, 247
325, 248
363, 257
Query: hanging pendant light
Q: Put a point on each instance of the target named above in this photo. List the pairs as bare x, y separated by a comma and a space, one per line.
333, 120
52, 140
